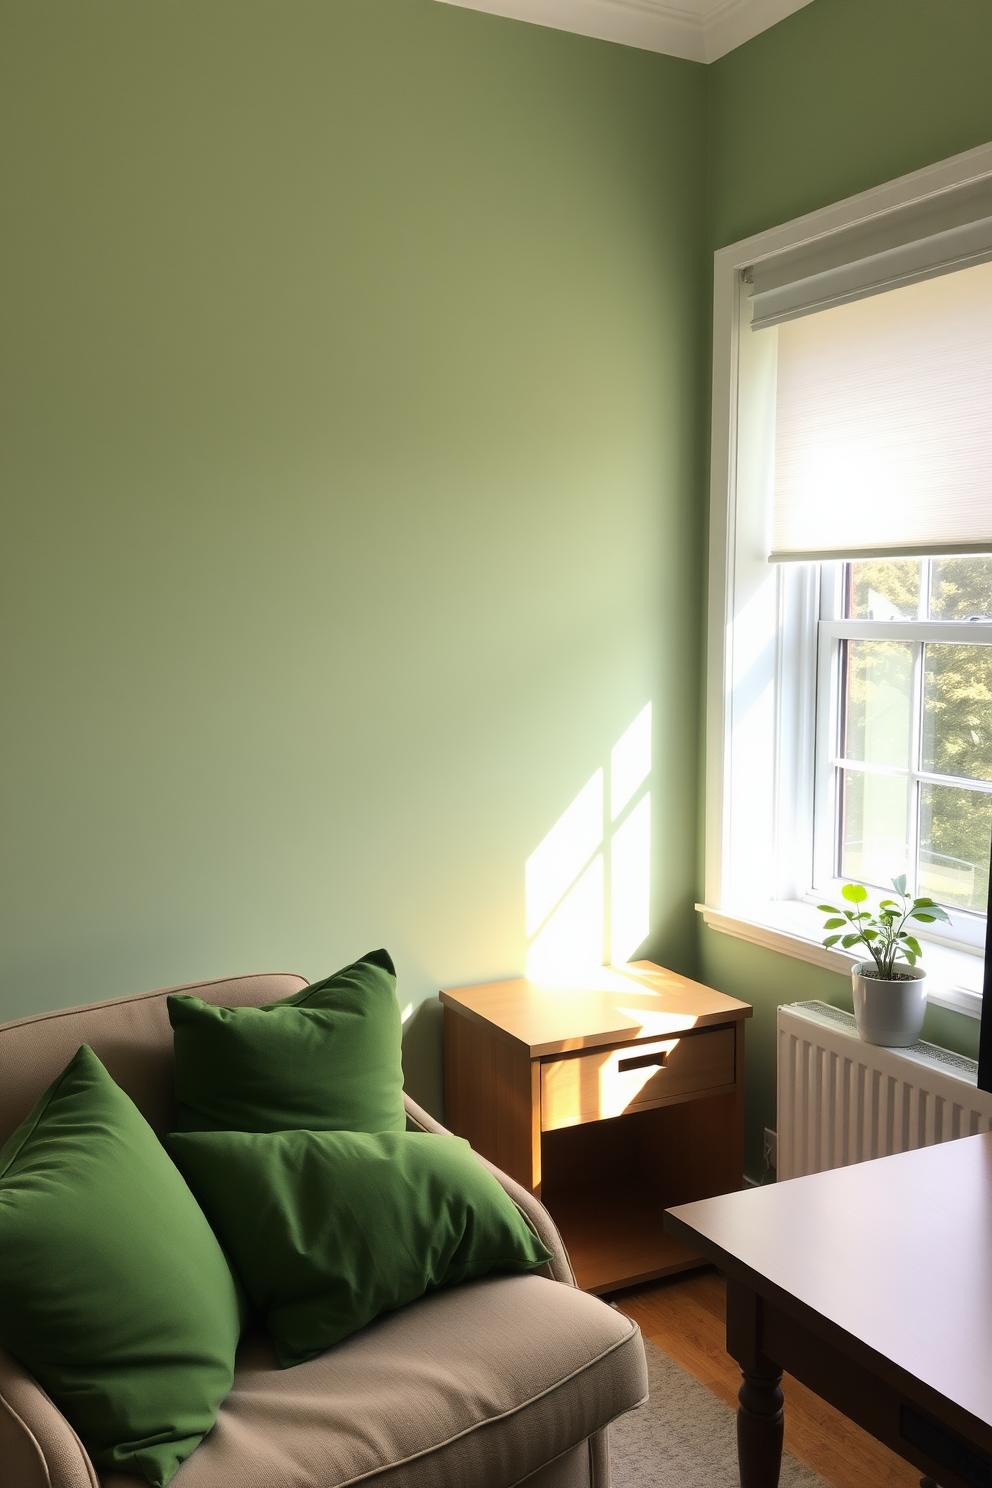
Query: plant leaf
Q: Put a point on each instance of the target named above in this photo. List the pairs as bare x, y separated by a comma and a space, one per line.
831, 940
899, 884
850, 940
913, 945
910, 957
935, 911
828, 909
832, 924
855, 893
920, 915
870, 934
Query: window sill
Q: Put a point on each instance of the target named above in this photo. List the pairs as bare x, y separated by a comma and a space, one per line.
793, 928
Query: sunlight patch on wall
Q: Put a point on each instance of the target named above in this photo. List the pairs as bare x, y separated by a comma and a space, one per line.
588, 883
630, 762
557, 862
630, 883
572, 939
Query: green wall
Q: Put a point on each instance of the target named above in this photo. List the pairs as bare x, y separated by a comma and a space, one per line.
352, 425
351, 446
837, 98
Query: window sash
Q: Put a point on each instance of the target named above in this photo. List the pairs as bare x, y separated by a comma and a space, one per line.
948, 632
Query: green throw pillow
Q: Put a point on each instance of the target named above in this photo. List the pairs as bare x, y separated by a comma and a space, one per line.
329, 1229
328, 1058
114, 1292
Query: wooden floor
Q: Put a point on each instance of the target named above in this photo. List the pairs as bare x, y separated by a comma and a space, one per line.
685, 1316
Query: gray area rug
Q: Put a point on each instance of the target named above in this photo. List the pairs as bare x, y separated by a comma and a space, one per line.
684, 1437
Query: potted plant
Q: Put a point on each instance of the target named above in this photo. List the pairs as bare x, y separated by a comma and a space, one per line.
890, 997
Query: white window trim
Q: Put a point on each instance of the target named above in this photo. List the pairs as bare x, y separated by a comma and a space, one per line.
773, 914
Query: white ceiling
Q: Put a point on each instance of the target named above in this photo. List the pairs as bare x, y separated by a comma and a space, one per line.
701, 30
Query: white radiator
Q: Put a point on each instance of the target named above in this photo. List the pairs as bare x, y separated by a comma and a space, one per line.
841, 1100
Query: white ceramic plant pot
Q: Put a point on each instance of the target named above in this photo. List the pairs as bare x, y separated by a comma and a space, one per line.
889, 1012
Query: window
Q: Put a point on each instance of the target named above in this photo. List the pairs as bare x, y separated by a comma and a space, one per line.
849, 727
904, 754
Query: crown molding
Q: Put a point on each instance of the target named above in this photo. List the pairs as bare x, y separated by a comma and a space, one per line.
700, 30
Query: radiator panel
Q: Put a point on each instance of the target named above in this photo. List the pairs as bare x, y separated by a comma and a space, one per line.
843, 1101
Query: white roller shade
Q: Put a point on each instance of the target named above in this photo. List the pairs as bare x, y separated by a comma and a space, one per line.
883, 437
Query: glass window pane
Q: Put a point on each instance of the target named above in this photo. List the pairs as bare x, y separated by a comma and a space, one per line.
883, 589
879, 702
874, 815
957, 710
955, 833
961, 589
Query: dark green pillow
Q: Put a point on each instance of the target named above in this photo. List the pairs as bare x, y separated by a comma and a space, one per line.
329, 1229
328, 1058
114, 1292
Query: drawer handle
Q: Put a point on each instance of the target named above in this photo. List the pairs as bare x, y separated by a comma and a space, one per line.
643, 1061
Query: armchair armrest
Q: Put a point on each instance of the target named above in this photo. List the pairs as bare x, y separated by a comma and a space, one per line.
559, 1268
38, 1447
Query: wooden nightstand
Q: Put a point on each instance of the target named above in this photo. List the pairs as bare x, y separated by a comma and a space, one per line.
610, 1101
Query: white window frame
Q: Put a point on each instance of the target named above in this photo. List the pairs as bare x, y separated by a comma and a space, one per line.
764, 630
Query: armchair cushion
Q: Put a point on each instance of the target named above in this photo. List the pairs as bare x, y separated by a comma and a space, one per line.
114, 1292
327, 1058
329, 1229
478, 1385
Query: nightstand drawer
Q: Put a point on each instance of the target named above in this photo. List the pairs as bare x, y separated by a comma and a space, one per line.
635, 1077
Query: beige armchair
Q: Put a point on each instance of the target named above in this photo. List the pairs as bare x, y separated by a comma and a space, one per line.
506, 1380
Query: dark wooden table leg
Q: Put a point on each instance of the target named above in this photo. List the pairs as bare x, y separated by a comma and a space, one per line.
759, 1418
759, 1428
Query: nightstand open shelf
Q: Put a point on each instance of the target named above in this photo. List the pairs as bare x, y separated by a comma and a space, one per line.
611, 1101
614, 1236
